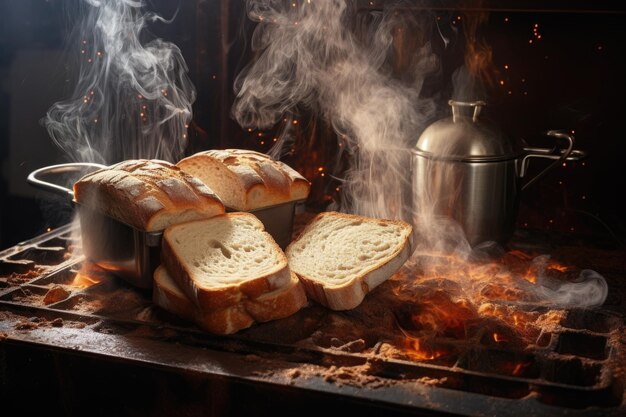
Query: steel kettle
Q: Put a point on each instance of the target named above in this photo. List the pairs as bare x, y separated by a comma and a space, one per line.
465, 168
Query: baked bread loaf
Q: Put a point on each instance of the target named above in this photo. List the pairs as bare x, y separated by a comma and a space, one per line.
147, 194
246, 180
274, 305
341, 257
221, 261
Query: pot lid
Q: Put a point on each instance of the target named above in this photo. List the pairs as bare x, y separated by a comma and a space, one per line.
465, 137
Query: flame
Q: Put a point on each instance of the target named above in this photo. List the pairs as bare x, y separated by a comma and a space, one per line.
558, 267
531, 277
521, 255
83, 281
518, 368
449, 296
443, 314
87, 276
498, 338
418, 351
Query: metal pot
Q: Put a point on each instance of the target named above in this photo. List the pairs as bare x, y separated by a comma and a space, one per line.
467, 169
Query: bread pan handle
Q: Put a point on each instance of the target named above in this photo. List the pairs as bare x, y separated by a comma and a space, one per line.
35, 177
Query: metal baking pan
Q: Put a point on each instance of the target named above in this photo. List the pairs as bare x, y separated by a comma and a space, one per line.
130, 253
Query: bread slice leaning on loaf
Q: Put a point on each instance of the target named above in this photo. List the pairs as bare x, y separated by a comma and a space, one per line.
148, 195
274, 305
246, 180
341, 257
221, 261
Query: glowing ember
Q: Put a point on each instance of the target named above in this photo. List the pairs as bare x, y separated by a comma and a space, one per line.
518, 368
417, 350
84, 280
447, 296
498, 338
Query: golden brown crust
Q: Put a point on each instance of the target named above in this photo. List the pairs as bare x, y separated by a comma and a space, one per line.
225, 321
350, 294
147, 194
272, 306
170, 300
279, 303
259, 180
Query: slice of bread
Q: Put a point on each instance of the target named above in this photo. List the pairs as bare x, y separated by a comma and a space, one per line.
147, 194
274, 305
341, 257
219, 262
246, 180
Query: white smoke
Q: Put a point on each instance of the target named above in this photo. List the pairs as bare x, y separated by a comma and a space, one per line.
589, 289
320, 56
132, 99
312, 57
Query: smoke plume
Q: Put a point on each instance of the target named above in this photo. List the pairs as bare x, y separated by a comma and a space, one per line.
324, 57
312, 56
132, 98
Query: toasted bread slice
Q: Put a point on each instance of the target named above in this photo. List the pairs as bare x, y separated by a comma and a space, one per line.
221, 261
341, 257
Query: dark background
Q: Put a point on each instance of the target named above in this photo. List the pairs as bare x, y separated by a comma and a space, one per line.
571, 78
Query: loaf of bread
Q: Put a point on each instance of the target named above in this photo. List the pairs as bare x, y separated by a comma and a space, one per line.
341, 257
148, 195
274, 305
221, 261
246, 180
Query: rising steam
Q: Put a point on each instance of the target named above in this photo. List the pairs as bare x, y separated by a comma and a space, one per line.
132, 99
311, 57
318, 55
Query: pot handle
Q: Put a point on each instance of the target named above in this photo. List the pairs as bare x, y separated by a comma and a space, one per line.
556, 154
34, 178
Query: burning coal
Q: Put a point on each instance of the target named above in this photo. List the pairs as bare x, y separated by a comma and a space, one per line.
132, 99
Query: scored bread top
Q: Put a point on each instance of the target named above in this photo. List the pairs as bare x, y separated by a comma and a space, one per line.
340, 257
223, 260
247, 180
147, 194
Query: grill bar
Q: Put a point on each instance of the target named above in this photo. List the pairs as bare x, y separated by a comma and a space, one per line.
571, 368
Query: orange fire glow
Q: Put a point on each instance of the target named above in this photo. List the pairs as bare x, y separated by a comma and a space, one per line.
417, 350
83, 281
444, 296
558, 267
86, 277
498, 338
